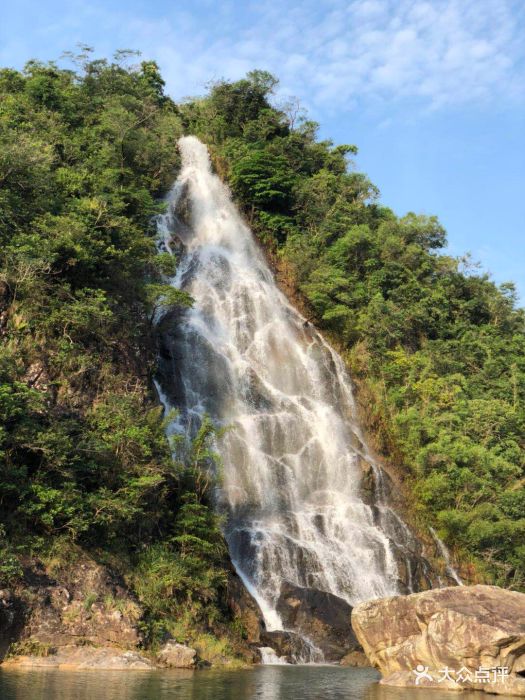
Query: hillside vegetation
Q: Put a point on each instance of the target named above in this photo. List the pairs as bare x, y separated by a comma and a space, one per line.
437, 349
84, 157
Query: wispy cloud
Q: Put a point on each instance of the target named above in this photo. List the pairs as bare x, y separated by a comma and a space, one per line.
442, 52
328, 52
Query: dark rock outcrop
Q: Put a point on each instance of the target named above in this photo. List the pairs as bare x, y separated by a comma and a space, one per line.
321, 617
245, 609
416, 570
289, 646
80, 614
12, 616
88, 605
357, 659
476, 633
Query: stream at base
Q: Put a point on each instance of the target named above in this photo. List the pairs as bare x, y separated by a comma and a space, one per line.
259, 683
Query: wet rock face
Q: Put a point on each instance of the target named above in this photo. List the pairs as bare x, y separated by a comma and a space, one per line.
183, 207
288, 646
245, 609
470, 630
321, 617
167, 334
415, 571
356, 659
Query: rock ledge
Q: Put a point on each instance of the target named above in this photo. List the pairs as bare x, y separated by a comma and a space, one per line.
83, 658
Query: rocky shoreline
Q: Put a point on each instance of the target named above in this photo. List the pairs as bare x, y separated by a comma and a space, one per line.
454, 638
71, 657
84, 616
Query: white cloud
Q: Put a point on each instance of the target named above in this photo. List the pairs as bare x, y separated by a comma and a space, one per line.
331, 53
334, 53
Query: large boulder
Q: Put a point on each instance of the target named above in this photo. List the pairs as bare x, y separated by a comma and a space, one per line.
175, 655
323, 618
468, 637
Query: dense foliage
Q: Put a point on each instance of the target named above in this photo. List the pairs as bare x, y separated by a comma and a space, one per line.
438, 350
84, 156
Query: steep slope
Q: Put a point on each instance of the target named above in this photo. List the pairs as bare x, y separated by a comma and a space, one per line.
87, 473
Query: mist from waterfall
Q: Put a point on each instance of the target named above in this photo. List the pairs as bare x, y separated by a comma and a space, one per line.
292, 454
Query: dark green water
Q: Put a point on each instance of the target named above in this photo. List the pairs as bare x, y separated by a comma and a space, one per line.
259, 683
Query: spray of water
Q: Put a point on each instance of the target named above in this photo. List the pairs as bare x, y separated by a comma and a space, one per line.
293, 452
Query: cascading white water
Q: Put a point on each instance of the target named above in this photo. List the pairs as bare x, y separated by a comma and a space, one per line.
270, 658
291, 474
445, 555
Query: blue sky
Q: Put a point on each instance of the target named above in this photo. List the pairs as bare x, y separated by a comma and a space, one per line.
431, 91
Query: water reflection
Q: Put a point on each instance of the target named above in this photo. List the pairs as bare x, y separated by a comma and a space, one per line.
261, 683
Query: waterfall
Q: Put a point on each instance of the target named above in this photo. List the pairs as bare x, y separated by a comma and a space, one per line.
269, 657
292, 454
442, 549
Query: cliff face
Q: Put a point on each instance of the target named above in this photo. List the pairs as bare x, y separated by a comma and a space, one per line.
419, 555
84, 615
435, 349
78, 606
86, 466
